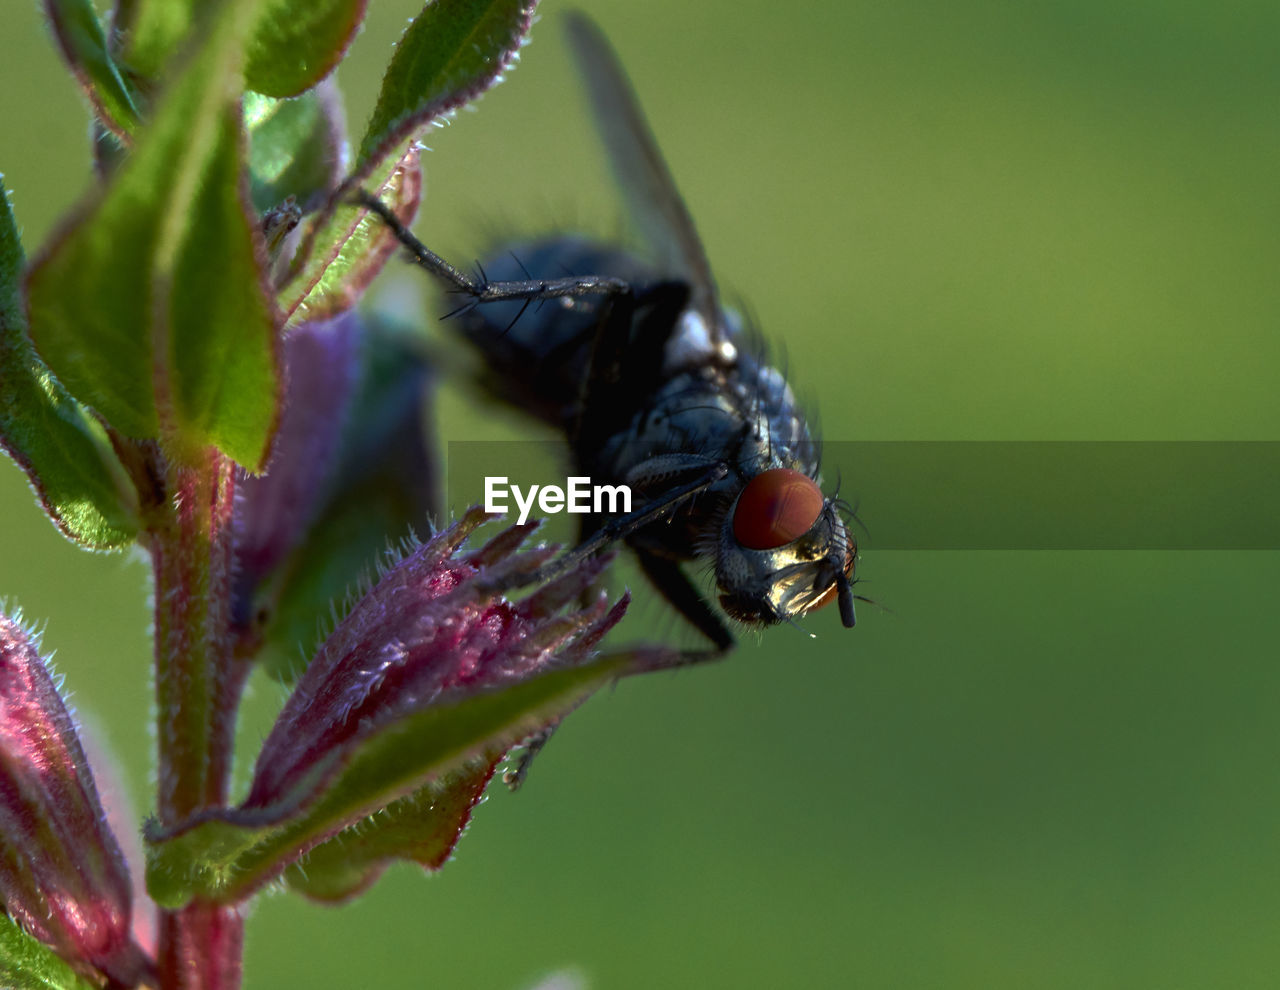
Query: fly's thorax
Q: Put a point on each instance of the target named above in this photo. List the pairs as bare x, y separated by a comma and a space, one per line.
743, 415
729, 354
779, 431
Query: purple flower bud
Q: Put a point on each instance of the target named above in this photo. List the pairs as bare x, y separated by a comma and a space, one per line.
434, 626
351, 470
275, 509
62, 876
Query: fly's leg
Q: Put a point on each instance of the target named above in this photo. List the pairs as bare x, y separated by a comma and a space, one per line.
683, 595
618, 528
667, 575
665, 300
481, 290
674, 584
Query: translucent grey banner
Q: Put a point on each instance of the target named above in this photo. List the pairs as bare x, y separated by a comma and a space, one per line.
1113, 495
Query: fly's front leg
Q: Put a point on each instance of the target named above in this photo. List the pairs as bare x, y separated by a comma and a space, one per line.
618, 528
666, 575
481, 290
669, 578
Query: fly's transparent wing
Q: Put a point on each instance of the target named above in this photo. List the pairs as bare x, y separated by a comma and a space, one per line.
652, 197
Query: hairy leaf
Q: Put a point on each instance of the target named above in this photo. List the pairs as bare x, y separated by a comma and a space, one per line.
61, 447
84, 45
156, 30
296, 43
346, 245
152, 307
452, 52
422, 828
226, 858
28, 964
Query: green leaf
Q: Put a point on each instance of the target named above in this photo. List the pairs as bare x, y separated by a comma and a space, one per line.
226, 857
63, 450
157, 29
296, 147
28, 964
296, 43
345, 246
452, 52
84, 45
293, 44
152, 308
422, 828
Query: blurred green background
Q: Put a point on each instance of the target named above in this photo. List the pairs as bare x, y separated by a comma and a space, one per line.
974, 220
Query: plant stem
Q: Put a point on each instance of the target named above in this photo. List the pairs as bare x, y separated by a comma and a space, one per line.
197, 687
201, 946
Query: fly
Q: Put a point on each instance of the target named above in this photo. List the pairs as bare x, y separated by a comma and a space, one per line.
648, 376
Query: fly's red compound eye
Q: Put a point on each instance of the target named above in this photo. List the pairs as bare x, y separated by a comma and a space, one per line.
776, 507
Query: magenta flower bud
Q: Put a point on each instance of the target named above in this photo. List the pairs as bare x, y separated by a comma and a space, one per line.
62, 875
433, 627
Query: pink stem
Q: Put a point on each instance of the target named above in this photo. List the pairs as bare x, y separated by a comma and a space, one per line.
201, 946
197, 688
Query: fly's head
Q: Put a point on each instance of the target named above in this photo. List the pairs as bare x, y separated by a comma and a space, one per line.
784, 550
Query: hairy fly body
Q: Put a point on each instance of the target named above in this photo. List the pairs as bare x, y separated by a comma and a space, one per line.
652, 382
